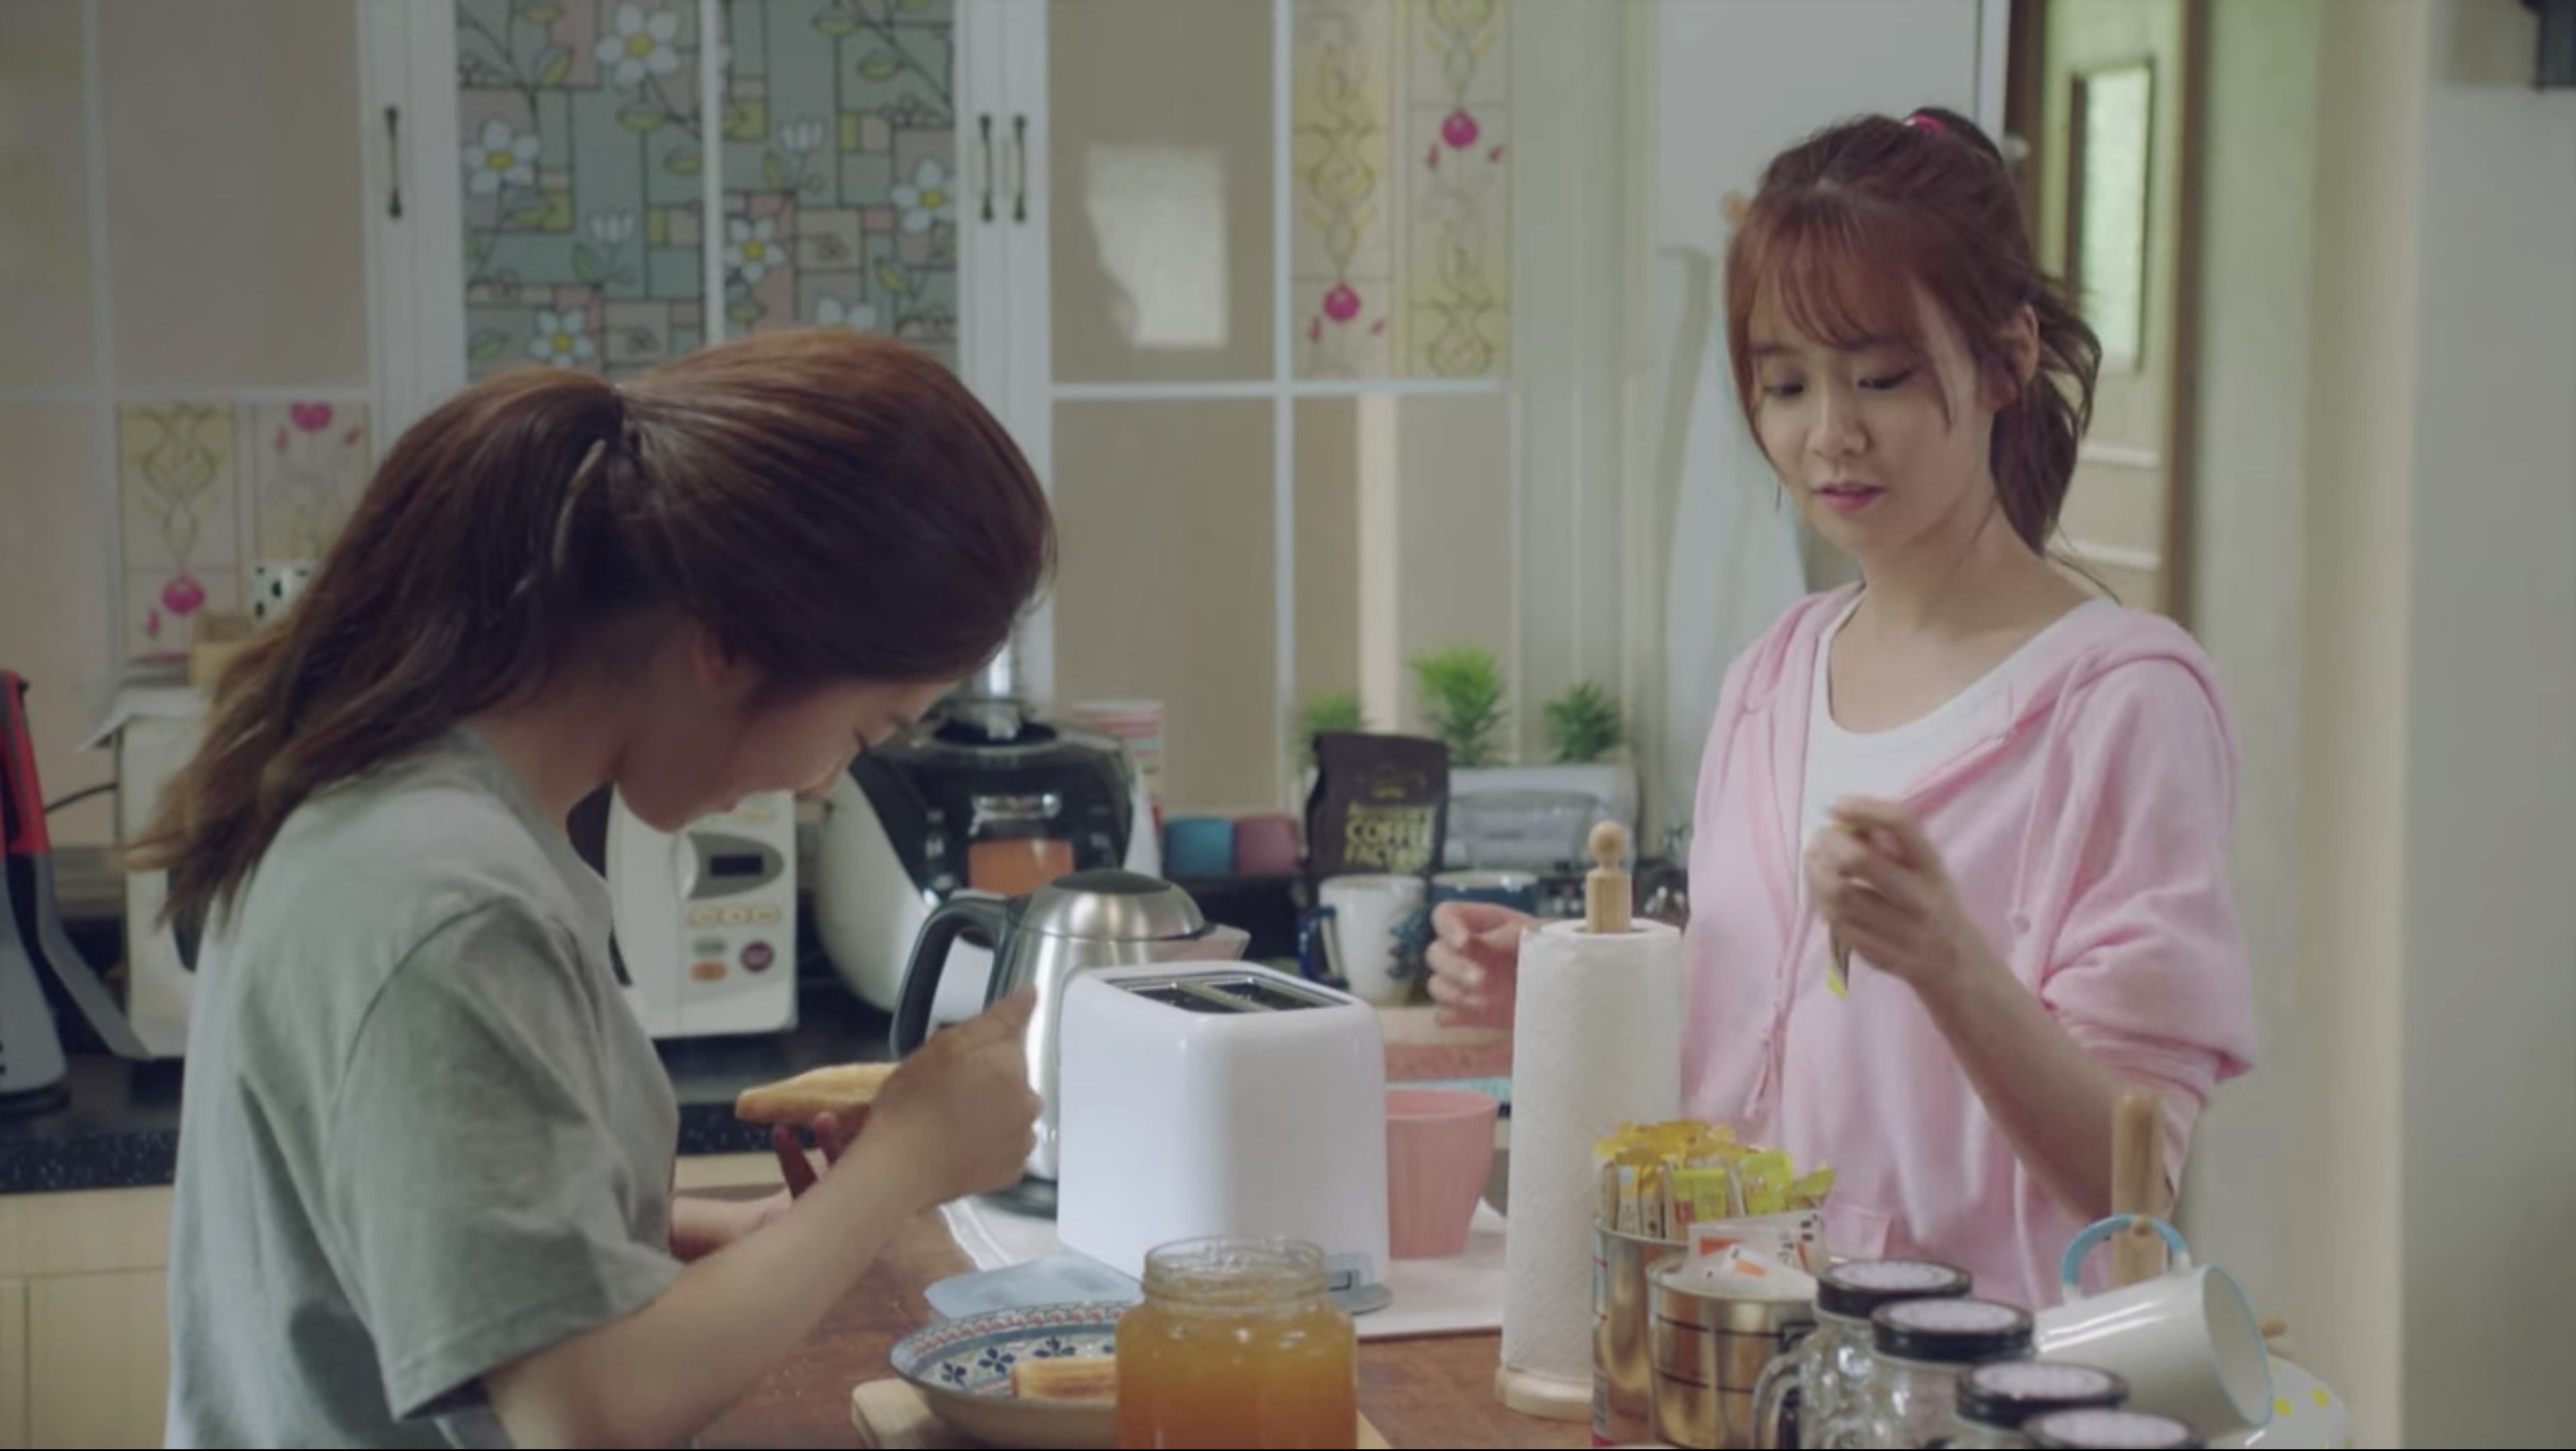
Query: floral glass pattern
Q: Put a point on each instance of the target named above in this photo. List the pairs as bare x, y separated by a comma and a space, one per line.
209, 487
1402, 187
582, 182
840, 152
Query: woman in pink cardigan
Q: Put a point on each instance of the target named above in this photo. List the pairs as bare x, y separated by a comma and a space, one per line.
1958, 874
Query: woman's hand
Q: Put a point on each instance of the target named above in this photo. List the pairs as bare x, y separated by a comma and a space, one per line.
959, 1116
1882, 892
700, 1227
1475, 961
796, 1167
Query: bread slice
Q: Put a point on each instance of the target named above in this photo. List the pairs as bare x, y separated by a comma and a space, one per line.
1070, 1378
844, 1089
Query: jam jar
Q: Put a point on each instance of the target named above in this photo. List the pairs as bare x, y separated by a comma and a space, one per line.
1919, 1351
1801, 1389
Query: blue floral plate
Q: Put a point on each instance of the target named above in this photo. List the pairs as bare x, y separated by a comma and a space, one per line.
962, 1368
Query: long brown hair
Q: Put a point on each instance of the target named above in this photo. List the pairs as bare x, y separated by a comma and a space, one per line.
1850, 221
830, 505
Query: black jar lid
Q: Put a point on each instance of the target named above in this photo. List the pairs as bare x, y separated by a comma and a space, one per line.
1856, 1289
2107, 1430
1950, 1332
2008, 1392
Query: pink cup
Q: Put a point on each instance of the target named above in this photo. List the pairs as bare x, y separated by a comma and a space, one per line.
1266, 846
1439, 1154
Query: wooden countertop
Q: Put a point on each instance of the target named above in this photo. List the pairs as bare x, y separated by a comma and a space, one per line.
1418, 1392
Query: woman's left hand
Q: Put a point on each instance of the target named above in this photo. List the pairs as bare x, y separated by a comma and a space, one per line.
796, 1167
1884, 895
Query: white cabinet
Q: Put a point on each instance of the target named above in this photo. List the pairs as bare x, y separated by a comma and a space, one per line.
593, 183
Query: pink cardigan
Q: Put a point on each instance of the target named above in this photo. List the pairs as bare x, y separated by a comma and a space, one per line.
2086, 831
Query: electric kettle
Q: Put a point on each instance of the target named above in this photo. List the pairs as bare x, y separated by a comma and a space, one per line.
1104, 918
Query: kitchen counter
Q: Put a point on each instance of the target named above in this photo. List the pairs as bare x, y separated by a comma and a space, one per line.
1431, 1392
118, 1126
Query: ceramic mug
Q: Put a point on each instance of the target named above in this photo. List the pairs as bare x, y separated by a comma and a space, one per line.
1371, 922
2186, 1341
1198, 847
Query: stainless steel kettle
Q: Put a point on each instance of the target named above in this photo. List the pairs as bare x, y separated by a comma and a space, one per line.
1105, 918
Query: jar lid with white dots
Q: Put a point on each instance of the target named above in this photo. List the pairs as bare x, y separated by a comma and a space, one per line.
2006, 1393
1950, 1332
2108, 1430
1854, 1289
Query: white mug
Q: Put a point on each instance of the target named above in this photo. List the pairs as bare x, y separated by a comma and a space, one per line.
2186, 1341
1368, 912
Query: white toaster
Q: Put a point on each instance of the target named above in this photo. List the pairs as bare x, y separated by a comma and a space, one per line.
1202, 1099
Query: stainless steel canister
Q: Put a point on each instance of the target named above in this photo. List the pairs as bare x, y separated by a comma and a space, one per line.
1706, 1352
1622, 1386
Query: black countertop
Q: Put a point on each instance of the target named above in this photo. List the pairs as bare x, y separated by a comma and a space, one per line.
117, 1124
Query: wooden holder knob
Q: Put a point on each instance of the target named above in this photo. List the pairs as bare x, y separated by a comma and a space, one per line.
1606, 894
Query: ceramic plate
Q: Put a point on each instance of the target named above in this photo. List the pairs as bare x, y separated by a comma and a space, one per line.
962, 1367
2305, 1416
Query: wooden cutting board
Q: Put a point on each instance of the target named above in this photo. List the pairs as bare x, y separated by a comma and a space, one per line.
892, 1416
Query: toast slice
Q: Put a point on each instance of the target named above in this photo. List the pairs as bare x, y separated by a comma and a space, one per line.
844, 1089
1071, 1378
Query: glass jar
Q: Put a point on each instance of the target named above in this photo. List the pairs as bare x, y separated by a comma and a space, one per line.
1919, 1350
1800, 1390
1236, 1344
2088, 1430
1995, 1400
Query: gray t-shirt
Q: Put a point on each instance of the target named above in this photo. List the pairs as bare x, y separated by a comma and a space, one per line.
422, 1133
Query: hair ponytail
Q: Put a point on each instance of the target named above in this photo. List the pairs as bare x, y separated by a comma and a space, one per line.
2037, 434
831, 505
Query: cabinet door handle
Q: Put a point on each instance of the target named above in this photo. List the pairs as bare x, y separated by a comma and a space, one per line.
393, 163
1020, 155
984, 123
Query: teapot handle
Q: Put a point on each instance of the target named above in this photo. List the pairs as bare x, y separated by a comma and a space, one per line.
970, 914
2070, 1269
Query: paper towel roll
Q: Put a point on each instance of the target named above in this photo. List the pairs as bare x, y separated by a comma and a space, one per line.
1596, 1041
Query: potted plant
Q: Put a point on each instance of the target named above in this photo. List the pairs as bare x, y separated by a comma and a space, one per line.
1585, 734
1583, 725
1462, 702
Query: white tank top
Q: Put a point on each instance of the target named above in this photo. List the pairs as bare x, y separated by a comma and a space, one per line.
1887, 763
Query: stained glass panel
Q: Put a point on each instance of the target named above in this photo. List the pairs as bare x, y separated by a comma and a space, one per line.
577, 124
1402, 183
840, 167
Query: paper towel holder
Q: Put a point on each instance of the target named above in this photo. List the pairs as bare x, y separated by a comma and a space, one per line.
1608, 905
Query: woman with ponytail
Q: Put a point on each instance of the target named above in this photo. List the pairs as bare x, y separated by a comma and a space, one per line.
1958, 871
425, 1157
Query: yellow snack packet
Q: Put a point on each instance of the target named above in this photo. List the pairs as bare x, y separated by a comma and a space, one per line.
1702, 1195
1809, 1190
1764, 1177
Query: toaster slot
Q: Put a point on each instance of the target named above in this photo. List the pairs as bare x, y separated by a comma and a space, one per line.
1174, 995
1229, 992
1261, 995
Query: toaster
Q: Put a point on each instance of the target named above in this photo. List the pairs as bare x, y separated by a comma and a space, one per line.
1201, 1099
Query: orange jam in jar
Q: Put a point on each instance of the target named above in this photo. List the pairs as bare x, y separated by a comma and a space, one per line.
1236, 1344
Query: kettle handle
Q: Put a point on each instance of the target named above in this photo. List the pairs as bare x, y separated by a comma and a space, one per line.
977, 915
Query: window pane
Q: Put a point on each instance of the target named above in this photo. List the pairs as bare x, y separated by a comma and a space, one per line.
1165, 590
1161, 162
235, 210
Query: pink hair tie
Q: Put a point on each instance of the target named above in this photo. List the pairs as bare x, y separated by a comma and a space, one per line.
1921, 122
